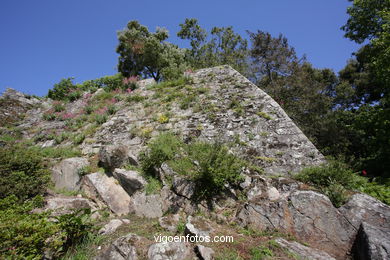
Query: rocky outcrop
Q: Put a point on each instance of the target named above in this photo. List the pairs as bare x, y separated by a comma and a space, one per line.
308, 215
14, 105
303, 252
124, 248
149, 206
131, 181
204, 253
271, 139
363, 208
170, 222
198, 226
372, 243
115, 156
101, 187
64, 205
169, 250
66, 174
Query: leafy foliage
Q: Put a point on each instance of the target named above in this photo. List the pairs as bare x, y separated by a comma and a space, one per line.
210, 165
62, 89
224, 46
144, 53
27, 235
22, 172
336, 179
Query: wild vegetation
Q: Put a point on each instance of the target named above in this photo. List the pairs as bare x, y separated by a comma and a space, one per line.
346, 115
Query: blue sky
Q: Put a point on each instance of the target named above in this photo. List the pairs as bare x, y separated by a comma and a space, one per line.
43, 41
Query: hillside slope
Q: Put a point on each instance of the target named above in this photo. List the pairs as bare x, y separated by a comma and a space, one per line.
208, 154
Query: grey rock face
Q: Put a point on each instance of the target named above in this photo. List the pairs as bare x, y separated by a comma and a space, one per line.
15, 95
115, 156
183, 187
363, 208
198, 226
204, 253
269, 134
303, 252
65, 174
131, 181
372, 220
372, 243
99, 186
308, 215
65, 205
172, 251
112, 226
124, 248
169, 222
149, 206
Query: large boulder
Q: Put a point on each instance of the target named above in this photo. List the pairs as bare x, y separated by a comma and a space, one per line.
101, 187
115, 156
169, 250
372, 220
198, 226
170, 222
66, 174
148, 206
131, 181
64, 205
204, 253
183, 187
361, 207
308, 215
124, 248
372, 243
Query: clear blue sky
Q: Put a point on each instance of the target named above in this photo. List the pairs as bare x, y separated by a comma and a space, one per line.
43, 41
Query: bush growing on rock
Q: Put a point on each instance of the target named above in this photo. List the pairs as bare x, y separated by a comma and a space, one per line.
210, 165
22, 172
335, 179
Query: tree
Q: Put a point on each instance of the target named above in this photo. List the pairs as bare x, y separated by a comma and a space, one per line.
370, 20
271, 57
367, 19
224, 46
142, 53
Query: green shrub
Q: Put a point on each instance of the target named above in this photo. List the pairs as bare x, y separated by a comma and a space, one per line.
23, 234
22, 172
62, 89
100, 119
160, 150
135, 98
109, 83
27, 235
333, 172
335, 179
89, 109
336, 193
376, 190
153, 186
213, 167
111, 109
210, 165
49, 116
57, 152
78, 138
75, 227
261, 252
58, 107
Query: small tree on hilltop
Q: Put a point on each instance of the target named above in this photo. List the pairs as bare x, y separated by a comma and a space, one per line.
142, 53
